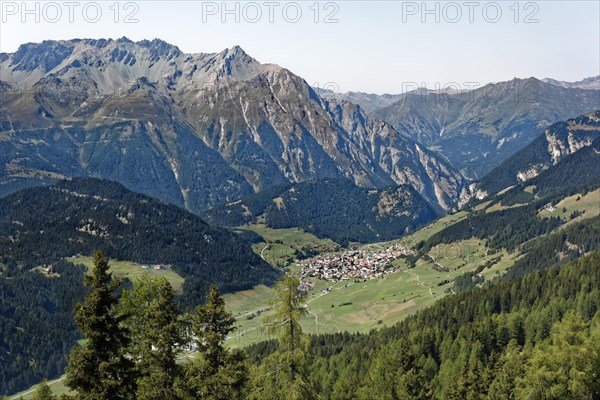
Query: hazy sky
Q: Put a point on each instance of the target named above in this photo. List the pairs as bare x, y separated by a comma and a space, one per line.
370, 46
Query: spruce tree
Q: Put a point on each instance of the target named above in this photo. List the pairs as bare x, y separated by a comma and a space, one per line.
511, 367
100, 369
381, 379
216, 373
153, 320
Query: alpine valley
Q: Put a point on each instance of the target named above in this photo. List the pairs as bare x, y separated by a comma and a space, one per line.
434, 244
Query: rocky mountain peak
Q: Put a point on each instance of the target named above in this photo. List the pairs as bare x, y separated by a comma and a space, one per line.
160, 49
235, 51
236, 63
46, 55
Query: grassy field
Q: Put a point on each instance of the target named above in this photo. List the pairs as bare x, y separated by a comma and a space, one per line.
358, 307
282, 246
127, 269
467, 255
588, 204
247, 301
429, 230
249, 323
497, 207
482, 206
56, 385
505, 190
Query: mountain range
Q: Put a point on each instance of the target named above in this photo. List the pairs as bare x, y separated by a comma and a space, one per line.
201, 130
195, 130
478, 129
593, 82
371, 102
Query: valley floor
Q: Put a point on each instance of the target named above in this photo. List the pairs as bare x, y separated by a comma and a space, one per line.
356, 306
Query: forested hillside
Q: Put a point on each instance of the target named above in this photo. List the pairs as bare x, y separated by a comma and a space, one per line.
558, 141
517, 220
44, 224
335, 209
577, 172
514, 339
506, 228
36, 321
41, 227
566, 245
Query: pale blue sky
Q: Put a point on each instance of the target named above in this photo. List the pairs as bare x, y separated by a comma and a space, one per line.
371, 48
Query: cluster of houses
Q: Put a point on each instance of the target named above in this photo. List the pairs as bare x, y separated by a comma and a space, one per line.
156, 267
306, 286
359, 264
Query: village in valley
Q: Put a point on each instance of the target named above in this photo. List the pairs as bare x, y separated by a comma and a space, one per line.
356, 264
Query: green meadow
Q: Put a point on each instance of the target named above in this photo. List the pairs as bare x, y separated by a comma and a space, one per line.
132, 271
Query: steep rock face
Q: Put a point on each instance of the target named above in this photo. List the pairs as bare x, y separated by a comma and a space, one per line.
578, 135
548, 149
133, 137
477, 130
193, 129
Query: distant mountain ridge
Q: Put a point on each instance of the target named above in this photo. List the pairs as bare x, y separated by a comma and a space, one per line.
196, 130
371, 102
592, 83
479, 129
